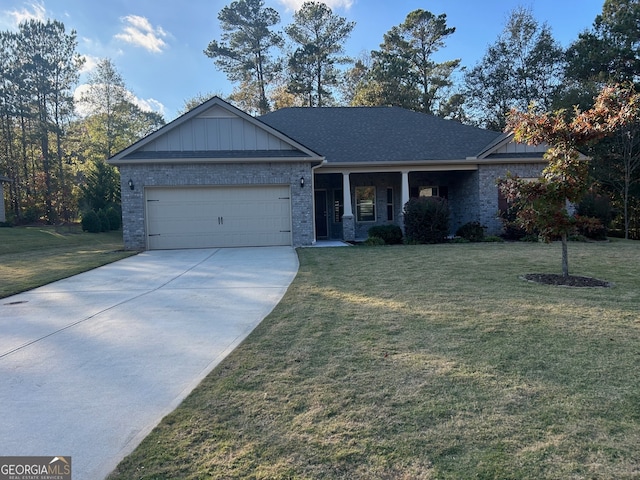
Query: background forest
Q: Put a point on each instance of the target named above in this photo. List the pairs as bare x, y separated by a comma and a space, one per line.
54, 146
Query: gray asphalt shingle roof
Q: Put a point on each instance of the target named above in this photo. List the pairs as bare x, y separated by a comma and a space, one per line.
379, 134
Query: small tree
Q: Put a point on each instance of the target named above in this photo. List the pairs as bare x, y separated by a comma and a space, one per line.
543, 203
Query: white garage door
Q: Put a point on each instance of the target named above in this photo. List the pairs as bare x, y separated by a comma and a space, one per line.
199, 217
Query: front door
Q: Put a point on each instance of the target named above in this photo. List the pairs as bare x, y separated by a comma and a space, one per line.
321, 217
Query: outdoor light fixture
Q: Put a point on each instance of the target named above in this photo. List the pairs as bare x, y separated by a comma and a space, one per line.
301, 182
131, 185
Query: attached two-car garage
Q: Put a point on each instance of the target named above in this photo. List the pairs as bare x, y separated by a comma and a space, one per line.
216, 177
221, 216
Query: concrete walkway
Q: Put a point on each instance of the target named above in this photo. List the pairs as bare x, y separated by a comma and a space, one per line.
90, 364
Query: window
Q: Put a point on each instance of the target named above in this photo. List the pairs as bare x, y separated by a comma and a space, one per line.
366, 204
338, 207
390, 204
428, 192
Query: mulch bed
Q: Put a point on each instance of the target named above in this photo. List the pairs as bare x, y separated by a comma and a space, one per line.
570, 281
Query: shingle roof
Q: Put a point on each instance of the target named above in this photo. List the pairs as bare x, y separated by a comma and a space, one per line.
379, 134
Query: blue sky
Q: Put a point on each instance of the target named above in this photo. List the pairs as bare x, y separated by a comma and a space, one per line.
158, 45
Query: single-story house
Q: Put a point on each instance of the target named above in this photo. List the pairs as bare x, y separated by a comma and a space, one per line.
217, 176
3, 214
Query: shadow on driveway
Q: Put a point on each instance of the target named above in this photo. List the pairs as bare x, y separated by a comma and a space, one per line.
90, 364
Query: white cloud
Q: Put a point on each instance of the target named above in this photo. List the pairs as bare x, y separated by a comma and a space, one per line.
31, 11
296, 4
149, 105
90, 62
139, 31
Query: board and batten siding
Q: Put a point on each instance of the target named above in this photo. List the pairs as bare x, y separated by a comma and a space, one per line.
216, 130
520, 148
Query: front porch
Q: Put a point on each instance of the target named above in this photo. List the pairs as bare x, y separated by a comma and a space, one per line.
378, 198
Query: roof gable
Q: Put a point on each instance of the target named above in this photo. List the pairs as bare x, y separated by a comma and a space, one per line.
505, 147
214, 130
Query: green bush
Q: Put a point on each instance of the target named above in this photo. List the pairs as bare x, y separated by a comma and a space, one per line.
104, 221
426, 220
596, 206
493, 238
374, 241
91, 222
459, 240
390, 234
472, 231
115, 218
591, 227
31, 214
511, 228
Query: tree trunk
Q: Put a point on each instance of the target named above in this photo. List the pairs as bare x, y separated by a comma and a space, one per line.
625, 195
565, 256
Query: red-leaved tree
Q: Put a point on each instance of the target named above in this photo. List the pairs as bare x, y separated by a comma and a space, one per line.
542, 204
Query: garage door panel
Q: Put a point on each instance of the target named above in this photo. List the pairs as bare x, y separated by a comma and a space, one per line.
199, 217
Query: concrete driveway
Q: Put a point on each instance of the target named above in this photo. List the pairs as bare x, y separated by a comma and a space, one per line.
90, 364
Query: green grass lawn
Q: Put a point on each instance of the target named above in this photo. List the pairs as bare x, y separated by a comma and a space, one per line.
34, 256
415, 362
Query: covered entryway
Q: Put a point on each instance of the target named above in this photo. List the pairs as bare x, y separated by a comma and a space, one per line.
229, 216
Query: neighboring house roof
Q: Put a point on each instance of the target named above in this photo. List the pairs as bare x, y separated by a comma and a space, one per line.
215, 131
380, 134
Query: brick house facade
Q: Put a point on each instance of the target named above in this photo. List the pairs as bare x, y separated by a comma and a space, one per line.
336, 172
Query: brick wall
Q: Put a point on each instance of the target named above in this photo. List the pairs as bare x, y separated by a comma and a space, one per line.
149, 175
488, 190
464, 199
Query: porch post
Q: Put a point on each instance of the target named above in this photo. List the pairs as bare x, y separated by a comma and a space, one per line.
404, 196
348, 223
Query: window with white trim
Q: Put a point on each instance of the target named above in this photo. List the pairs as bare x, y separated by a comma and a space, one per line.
390, 204
366, 204
428, 191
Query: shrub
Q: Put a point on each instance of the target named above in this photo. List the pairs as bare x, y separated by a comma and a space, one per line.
596, 206
591, 227
374, 241
459, 240
472, 231
104, 221
426, 220
532, 238
91, 222
115, 219
493, 238
390, 234
31, 214
511, 228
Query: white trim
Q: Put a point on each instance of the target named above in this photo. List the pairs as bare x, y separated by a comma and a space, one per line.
373, 204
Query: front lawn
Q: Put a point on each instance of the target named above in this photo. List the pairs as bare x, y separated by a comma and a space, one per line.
417, 362
34, 256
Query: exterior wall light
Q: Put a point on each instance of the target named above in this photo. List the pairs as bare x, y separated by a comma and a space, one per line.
131, 185
301, 182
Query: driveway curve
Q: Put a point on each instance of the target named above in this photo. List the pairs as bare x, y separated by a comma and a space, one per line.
90, 364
